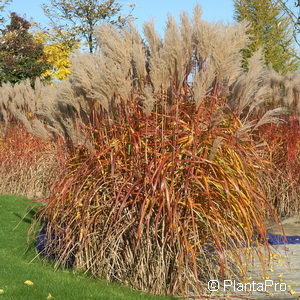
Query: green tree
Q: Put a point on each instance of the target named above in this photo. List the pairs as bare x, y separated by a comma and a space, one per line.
21, 56
270, 30
78, 18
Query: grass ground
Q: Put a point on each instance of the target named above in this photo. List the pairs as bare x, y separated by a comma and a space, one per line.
15, 269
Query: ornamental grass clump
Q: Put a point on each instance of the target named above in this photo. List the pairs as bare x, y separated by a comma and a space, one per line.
162, 191
28, 165
30, 156
283, 186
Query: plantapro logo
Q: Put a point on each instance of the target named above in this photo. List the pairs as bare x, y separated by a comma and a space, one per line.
252, 286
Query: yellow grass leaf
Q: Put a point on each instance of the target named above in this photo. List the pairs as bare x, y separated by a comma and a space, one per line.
50, 297
1, 292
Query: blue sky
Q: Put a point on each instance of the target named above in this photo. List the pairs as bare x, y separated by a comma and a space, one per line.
145, 10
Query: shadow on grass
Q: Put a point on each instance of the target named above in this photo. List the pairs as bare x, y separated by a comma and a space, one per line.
28, 217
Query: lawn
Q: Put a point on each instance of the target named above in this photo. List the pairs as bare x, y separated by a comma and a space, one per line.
15, 269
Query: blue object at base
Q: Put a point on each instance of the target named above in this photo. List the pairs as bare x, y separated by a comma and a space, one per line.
41, 247
275, 239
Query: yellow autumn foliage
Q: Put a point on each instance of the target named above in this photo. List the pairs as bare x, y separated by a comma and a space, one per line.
57, 54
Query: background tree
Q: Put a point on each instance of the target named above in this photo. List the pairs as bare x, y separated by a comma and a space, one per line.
79, 17
269, 29
3, 3
21, 56
292, 10
57, 54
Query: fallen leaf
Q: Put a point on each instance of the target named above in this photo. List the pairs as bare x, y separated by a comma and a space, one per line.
28, 282
1, 291
50, 297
